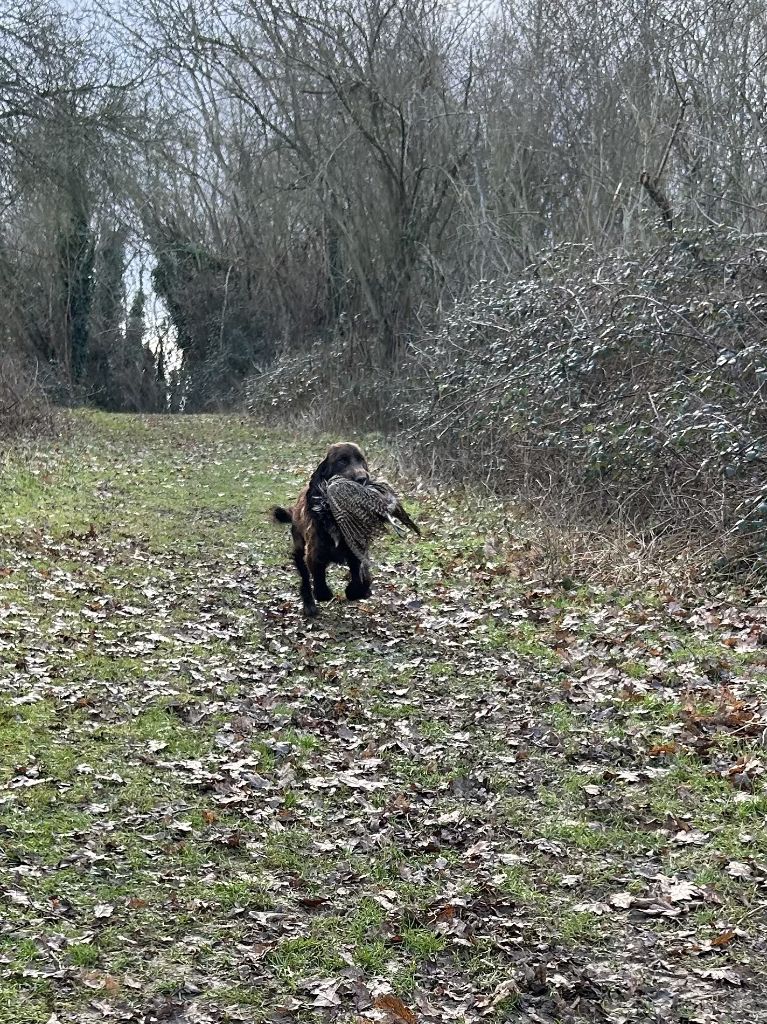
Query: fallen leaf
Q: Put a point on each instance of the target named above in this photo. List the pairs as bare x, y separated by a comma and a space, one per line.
719, 974
724, 939
622, 900
15, 896
737, 869
570, 881
661, 749
691, 837
92, 979
680, 892
394, 1006
593, 908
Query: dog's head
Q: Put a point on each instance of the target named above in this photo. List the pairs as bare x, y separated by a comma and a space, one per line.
343, 459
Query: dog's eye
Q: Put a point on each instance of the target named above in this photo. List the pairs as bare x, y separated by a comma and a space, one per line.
342, 462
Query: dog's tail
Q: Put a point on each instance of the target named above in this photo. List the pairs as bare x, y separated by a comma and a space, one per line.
282, 515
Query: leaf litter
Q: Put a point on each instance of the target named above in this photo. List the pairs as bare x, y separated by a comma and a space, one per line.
478, 796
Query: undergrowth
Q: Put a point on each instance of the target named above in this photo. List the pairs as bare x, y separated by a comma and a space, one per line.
624, 391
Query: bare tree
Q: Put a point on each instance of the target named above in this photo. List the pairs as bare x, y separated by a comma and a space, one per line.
303, 171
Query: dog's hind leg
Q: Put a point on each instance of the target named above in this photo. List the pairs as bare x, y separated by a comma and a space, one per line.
358, 587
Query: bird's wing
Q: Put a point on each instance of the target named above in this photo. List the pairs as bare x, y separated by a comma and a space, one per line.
394, 504
362, 511
359, 514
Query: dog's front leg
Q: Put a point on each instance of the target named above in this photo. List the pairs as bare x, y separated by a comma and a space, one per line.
358, 587
317, 562
307, 597
319, 574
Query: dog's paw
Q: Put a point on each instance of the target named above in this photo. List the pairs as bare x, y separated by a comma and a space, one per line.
311, 611
356, 592
323, 593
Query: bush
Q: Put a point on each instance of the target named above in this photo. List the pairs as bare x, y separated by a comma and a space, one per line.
23, 405
623, 383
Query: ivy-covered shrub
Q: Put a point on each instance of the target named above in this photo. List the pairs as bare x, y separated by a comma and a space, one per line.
631, 380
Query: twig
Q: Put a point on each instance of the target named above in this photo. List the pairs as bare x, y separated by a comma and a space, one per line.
651, 184
223, 308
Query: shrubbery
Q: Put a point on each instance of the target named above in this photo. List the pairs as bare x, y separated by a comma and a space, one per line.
23, 404
627, 381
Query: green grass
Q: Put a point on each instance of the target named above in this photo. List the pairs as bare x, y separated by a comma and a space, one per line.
83, 955
524, 640
299, 958
396, 791
240, 893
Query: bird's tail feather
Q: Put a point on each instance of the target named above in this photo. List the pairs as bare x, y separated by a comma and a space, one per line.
403, 517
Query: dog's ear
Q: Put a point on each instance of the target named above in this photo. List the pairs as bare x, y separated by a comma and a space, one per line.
322, 472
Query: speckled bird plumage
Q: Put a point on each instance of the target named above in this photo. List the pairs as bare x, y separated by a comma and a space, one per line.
361, 512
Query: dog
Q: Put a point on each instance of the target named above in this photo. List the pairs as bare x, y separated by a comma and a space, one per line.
314, 548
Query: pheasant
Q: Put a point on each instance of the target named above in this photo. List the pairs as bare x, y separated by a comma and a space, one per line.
358, 513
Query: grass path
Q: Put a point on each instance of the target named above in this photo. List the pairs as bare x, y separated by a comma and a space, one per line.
479, 796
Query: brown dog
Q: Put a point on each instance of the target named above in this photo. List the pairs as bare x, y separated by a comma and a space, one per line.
313, 547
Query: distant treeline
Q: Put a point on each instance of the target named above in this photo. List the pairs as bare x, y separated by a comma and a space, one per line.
281, 173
